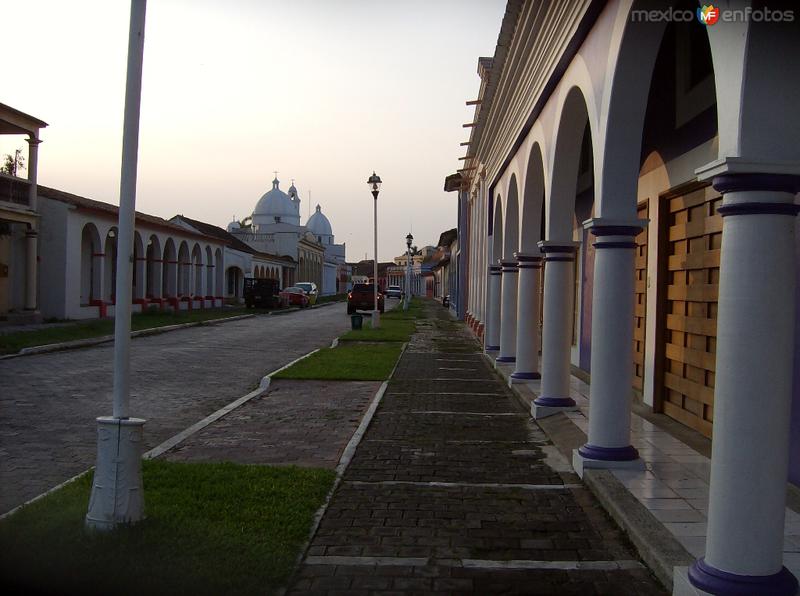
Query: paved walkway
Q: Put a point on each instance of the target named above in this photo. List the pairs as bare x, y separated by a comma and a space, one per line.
454, 489
303, 423
48, 402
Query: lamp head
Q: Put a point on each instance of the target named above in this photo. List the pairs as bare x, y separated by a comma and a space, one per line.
374, 183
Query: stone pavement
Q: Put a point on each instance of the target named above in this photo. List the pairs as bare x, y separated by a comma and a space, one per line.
48, 402
304, 423
454, 489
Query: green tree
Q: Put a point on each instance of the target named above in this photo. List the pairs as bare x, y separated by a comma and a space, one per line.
11, 164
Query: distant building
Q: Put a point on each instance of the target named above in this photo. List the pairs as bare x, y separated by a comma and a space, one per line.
274, 228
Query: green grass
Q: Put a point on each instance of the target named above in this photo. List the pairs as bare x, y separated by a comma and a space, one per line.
391, 329
210, 529
347, 362
11, 343
332, 298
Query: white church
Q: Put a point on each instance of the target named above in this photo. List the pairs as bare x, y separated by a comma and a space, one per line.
274, 228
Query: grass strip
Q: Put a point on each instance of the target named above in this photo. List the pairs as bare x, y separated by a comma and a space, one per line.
391, 329
211, 528
347, 362
11, 343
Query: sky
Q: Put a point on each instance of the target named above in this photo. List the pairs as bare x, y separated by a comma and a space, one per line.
323, 91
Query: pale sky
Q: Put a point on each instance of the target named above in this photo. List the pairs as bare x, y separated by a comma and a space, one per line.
324, 91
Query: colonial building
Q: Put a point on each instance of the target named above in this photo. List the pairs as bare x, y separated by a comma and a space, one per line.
242, 260
175, 268
627, 207
446, 267
19, 224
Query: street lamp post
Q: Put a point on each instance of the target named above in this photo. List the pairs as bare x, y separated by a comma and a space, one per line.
117, 494
409, 240
374, 183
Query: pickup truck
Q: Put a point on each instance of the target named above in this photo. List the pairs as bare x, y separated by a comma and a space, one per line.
362, 297
262, 293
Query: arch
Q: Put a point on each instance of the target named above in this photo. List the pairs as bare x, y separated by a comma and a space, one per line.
532, 202
138, 280
154, 267
91, 265
170, 275
110, 265
234, 277
184, 269
511, 221
497, 231
573, 125
197, 271
209, 267
219, 272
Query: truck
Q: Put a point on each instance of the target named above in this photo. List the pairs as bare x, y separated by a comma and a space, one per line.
261, 293
362, 297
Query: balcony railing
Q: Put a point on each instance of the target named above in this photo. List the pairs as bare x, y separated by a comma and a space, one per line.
14, 190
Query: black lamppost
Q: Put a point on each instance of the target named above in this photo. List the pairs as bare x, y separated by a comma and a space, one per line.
374, 183
409, 240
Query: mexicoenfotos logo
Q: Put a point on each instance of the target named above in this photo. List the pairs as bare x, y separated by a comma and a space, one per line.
708, 15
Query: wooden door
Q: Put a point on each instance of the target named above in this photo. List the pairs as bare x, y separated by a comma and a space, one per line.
692, 236
640, 300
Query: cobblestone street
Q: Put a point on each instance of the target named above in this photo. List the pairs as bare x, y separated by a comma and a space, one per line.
454, 489
48, 402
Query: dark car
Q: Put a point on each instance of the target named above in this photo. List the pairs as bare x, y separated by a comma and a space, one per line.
362, 297
262, 293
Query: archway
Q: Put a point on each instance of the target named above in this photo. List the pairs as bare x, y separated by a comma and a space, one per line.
154, 267
91, 265
184, 270
170, 270
110, 266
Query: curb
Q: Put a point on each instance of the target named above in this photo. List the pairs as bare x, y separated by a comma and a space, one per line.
263, 387
95, 341
657, 547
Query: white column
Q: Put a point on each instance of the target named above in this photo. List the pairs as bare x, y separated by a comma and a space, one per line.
527, 365
559, 288
753, 388
31, 269
33, 168
508, 312
609, 444
493, 319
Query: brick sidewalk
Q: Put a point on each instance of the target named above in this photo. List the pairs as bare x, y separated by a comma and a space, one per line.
455, 490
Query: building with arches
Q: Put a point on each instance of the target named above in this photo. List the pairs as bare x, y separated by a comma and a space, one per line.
627, 209
274, 228
174, 268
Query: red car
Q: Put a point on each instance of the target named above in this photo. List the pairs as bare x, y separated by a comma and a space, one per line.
294, 296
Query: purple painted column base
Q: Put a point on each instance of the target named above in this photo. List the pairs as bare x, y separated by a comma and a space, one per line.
589, 451
526, 375
505, 359
555, 402
715, 581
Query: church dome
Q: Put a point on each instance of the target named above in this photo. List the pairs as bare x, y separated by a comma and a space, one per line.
275, 203
318, 224
234, 225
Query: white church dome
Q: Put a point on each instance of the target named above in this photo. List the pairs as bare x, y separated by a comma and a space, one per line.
318, 224
275, 203
234, 225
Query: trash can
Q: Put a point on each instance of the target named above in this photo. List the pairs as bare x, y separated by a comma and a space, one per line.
356, 321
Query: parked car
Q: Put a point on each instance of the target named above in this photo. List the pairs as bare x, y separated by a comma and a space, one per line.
394, 292
362, 297
263, 293
310, 288
294, 296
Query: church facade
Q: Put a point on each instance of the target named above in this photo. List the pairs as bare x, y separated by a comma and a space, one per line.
274, 228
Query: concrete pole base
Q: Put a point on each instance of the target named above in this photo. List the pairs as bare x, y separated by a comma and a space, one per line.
580, 463
539, 412
376, 319
117, 491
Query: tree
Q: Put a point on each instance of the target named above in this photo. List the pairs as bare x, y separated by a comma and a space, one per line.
12, 164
